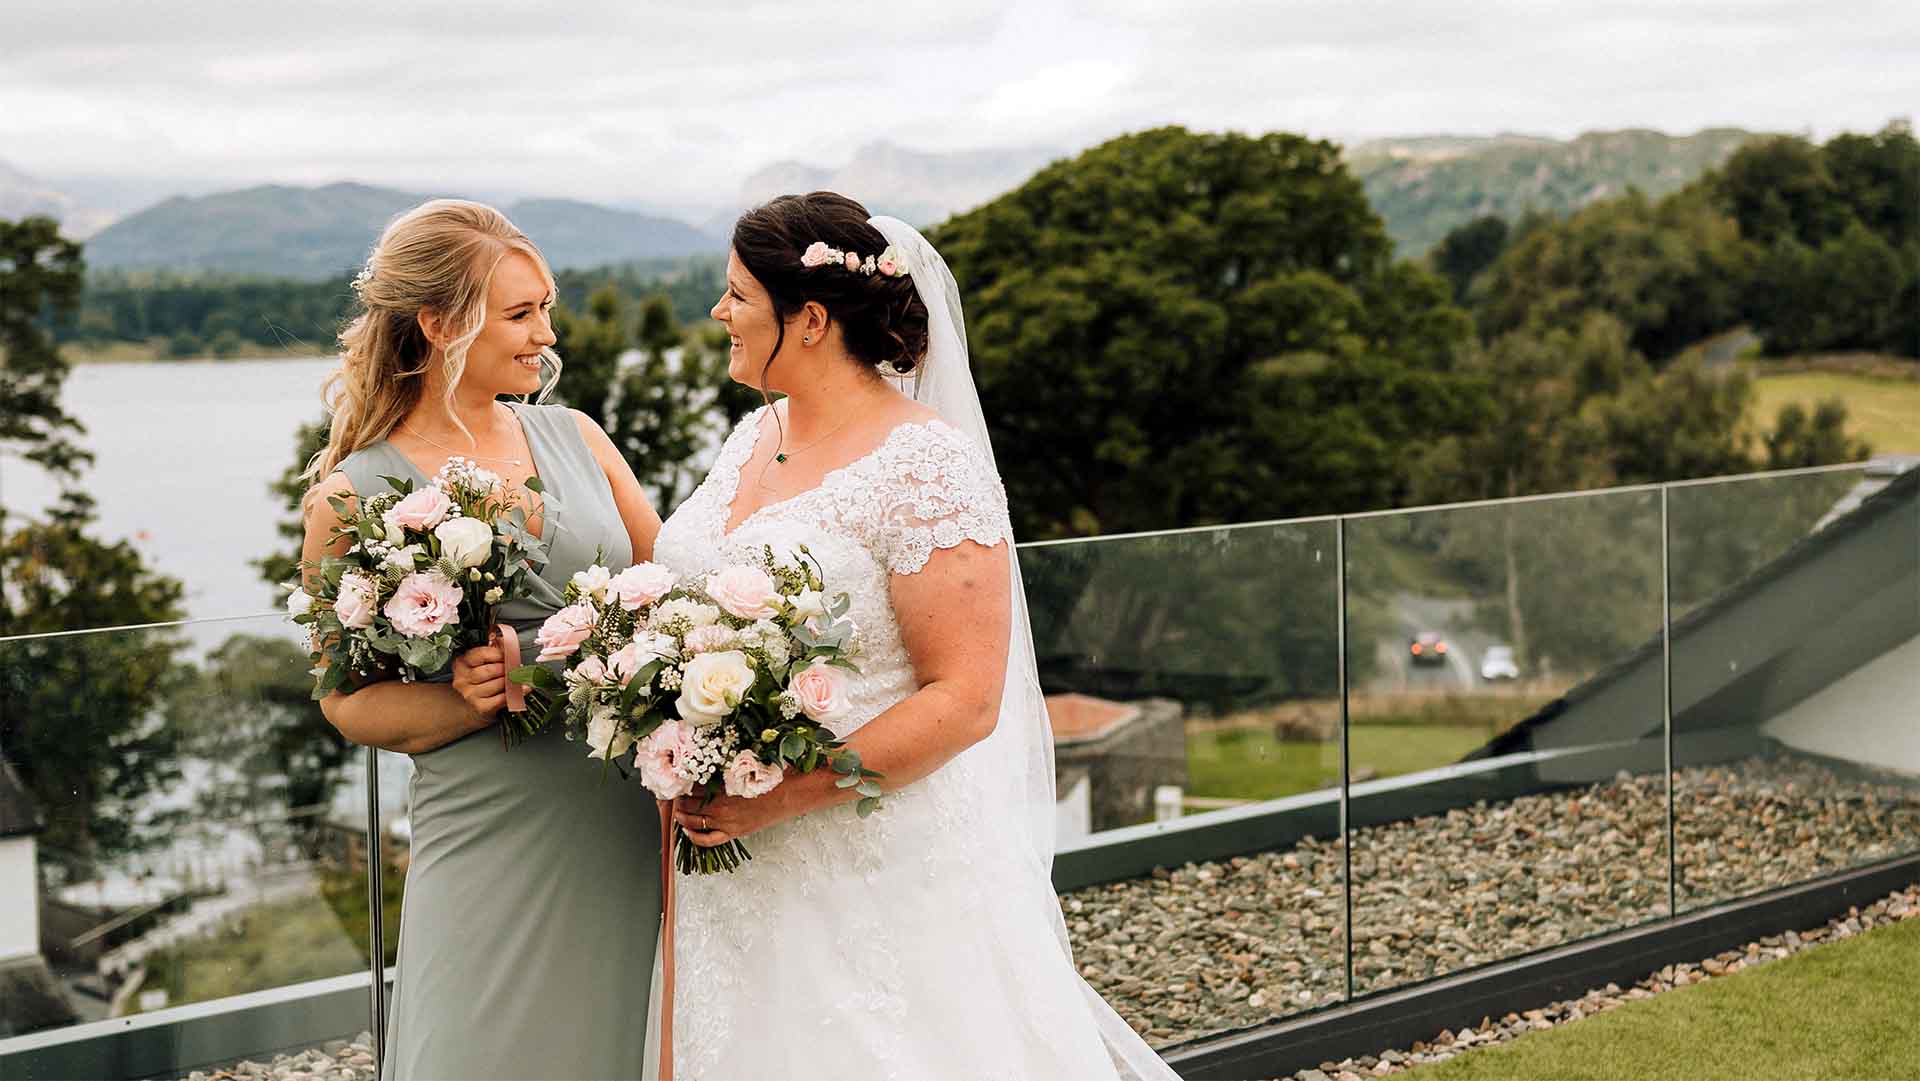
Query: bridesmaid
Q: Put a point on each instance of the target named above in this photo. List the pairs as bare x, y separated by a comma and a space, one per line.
533, 896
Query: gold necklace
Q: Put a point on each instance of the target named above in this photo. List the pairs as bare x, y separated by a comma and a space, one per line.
408, 428
781, 456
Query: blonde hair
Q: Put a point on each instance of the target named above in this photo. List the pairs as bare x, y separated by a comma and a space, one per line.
440, 256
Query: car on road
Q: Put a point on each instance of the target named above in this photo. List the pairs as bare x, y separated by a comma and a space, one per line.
1427, 647
1497, 663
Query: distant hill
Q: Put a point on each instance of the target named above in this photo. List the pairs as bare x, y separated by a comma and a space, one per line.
1425, 186
24, 196
921, 187
326, 231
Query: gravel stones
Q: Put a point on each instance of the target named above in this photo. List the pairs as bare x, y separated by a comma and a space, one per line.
1206, 948
335, 1060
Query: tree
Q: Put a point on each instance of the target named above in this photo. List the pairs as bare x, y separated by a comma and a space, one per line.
1166, 324
1800, 439
249, 713
1469, 249
40, 275
77, 713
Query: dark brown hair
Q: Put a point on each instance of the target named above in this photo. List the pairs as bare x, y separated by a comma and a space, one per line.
881, 318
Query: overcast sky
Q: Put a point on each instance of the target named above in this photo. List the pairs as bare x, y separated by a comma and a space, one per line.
672, 104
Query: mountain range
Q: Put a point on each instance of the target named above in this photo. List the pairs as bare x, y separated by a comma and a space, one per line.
1421, 186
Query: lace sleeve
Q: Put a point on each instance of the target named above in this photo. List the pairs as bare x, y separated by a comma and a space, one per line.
939, 490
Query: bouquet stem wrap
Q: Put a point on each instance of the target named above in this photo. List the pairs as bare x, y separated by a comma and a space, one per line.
666, 939
510, 646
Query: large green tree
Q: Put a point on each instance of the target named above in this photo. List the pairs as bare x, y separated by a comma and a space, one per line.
1164, 329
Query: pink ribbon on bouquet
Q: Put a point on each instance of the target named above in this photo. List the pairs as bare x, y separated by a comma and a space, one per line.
510, 648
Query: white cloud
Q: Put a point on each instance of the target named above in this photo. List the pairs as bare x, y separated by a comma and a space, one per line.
675, 103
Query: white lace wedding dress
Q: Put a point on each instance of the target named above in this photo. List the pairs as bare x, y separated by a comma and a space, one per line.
916, 943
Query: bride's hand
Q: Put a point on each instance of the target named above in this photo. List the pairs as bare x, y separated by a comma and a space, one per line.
480, 677
710, 821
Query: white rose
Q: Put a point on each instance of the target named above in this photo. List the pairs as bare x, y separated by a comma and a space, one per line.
592, 582
712, 685
401, 559
466, 541
605, 735
299, 602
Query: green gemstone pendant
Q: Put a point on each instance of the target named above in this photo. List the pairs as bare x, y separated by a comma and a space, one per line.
781, 458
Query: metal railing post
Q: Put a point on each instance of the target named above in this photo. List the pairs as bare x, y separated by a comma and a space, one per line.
1346, 750
376, 912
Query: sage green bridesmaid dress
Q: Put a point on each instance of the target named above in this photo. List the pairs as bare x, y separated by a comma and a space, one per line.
533, 897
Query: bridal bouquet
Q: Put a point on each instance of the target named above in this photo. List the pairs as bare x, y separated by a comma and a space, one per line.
426, 571
717, 683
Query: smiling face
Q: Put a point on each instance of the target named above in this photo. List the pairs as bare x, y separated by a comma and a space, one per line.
505, 357
747, 312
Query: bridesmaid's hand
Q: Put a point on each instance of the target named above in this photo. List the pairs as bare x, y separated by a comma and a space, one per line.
715, 820
480, 678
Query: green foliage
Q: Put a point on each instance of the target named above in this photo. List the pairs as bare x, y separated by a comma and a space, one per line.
1468, 250
77, 714
248, 710
1177, 329
40, 276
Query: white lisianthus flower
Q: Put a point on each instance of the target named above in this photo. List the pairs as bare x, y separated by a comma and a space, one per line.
494, 595
592, 582
712, 685
466, 541
401, 559
695, 613
655, 646
605, 735
747, 777
299, 602
809, 604
358, 601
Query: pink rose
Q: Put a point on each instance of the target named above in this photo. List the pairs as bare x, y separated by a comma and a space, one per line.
747, 777
627, 660
659, 759
423, 604
640, 585
888, 266
356, 603
422, 509
853, 261
821, 690
564, 630
747, 592
815, 255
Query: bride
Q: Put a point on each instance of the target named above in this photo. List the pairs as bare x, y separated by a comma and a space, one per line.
924, 941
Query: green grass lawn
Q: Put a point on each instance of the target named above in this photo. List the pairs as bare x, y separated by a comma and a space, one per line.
1884, 412
1836, 1012
1248, 763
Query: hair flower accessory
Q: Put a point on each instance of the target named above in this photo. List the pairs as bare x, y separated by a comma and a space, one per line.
888, 263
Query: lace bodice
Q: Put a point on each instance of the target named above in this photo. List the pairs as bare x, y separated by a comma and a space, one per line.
924, 488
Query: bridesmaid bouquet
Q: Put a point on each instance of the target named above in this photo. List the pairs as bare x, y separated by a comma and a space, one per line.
426, 571
716, 683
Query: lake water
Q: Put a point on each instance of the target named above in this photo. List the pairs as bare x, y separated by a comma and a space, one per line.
183, 455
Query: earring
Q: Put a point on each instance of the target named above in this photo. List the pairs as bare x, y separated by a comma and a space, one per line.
806, 339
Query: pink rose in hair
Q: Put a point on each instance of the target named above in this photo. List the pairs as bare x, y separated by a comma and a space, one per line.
889, 267
422, 509
564, 630
815, 255
853, 261
424, 604
747, 592
640, 585
748, 778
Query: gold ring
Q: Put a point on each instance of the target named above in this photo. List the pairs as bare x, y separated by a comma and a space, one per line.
705, 824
